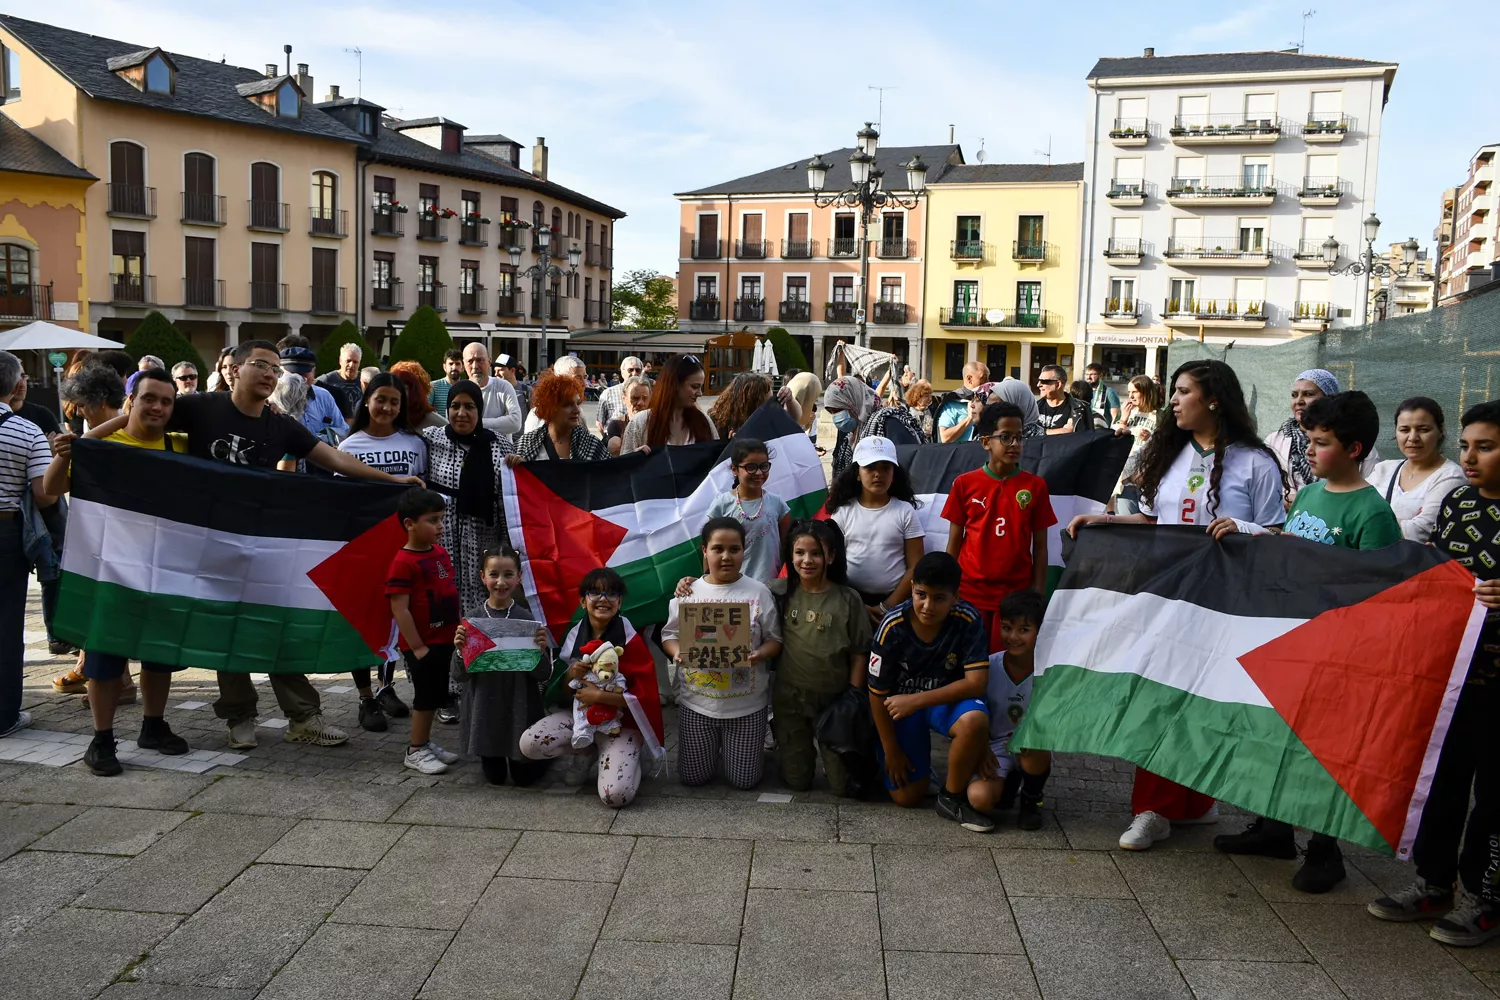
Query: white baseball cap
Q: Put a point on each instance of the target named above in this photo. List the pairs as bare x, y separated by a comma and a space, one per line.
505, 361
870, 450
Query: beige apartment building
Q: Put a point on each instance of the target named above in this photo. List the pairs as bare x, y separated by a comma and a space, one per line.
1469, 230
225, 193
1402, 296
438, 214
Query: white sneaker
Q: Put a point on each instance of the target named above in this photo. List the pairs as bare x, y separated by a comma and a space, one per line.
315, 730
1145, 830
1207, 819
242, 735
446, 756
422, 760
23, 720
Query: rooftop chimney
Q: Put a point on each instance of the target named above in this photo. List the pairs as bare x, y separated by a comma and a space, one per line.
272, 69
539, 158
305, 80
333, 92
1150, 52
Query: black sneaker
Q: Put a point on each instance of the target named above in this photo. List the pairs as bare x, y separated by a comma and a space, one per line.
1322, 868
161, 739
448, 715
1472, 922
950, 806
371, 718
391, 704
1419, 901
1256, 839
100, 758
60, 647
1029, 815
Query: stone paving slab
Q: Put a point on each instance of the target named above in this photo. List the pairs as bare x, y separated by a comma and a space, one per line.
22, 824
809, 944
918, 887
163, 991
1258, 981
1060, 873
339, 963
736, 819
506, 809
35, 883
572, 857
1119, 956
793, 865
48, 962
883, 823
920, 975
682, 891
74, 786
334, 844
1272, 879
648, 970
431, 878
300, 799
106, 830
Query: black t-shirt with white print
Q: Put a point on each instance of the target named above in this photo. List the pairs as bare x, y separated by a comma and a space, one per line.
217, 430
1468, 530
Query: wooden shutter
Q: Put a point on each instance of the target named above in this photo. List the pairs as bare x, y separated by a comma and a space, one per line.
325, 267
199, 259
127, 163
198, 174
264, 182
265, 261
754, 228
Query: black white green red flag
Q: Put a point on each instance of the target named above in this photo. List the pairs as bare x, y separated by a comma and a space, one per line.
1303, 682
640, 515
196, 563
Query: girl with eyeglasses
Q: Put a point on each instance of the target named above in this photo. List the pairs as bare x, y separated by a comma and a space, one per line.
764, 516
600, 595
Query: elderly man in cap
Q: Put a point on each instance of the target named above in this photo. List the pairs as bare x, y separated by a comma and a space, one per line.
322, 416
612, 400
502, 410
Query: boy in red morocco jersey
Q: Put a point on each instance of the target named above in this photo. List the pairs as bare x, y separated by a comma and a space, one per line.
1340, 508
424, 602
998, 517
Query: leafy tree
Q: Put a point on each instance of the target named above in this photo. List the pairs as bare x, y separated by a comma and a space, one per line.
156, 335
424, 340
345, 333
644, 300
788, 352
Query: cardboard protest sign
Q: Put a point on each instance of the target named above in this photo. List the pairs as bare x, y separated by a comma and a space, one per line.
715, 646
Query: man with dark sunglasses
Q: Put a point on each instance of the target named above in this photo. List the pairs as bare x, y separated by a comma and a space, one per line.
1058, 411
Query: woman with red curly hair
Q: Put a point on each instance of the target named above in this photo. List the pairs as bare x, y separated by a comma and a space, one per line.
558, 401
419, 411
674, 417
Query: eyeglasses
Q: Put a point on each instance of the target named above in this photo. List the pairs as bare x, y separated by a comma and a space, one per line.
266, 366
632, 371
1048, 381
187, 378
601, 595
1003, 438
756, 467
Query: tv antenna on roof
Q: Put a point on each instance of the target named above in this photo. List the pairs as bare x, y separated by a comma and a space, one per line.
880, 104
1046, 152
1306, 14
359, 57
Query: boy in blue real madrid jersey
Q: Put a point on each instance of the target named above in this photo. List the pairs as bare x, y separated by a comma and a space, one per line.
1005, 775
929, 664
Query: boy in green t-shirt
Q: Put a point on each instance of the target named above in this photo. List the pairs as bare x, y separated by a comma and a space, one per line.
1339, 509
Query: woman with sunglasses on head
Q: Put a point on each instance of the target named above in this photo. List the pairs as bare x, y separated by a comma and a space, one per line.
674, 416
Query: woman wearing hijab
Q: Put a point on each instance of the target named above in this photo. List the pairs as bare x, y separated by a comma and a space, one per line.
1289, 441
806, 389
850, 402
463, 464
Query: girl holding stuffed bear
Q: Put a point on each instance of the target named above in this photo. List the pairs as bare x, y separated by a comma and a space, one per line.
601, 637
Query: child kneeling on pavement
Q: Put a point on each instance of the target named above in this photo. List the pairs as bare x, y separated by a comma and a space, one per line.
1009, 696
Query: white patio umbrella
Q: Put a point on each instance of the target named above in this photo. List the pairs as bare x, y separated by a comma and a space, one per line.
44, 336
759, 358
769, 361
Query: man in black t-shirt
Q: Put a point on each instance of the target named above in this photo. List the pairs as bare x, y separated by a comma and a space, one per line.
1057, 410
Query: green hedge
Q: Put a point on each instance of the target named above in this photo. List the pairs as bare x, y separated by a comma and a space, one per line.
156, 335
788, 352
345, 333
424, 340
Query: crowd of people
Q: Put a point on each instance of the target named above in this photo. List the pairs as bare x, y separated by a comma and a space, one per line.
848, 614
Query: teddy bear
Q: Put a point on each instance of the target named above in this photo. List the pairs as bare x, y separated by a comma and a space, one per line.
603, 661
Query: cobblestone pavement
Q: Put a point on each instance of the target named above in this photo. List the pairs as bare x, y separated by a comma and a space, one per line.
329, 873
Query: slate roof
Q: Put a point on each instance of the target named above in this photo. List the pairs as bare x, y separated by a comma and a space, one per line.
204, 88
1225, 63
493, 139
1008, 173
23, 153
407, 123
791, 178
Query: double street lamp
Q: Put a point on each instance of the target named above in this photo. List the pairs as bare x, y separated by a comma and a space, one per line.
868, 194
1367, 264
541, 272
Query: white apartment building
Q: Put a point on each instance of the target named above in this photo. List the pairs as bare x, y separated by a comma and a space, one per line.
1212, 182
1469, 233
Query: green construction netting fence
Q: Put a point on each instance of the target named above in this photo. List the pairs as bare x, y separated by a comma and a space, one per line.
1451, 354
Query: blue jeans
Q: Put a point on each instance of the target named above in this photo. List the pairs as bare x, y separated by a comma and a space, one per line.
13, 576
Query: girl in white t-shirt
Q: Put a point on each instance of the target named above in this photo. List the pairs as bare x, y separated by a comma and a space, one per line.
379, 438
1204, 465
872, 502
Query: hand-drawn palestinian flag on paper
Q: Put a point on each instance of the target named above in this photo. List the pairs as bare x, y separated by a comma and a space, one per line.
196, 563
639, 515
500, 644
1303, 682
1080, 470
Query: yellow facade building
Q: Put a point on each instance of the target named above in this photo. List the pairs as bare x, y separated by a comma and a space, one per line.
1002, 267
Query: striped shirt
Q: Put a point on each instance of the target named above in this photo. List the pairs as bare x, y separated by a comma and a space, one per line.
24, 456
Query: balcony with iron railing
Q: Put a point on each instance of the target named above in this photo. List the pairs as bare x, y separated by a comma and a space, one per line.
471, 302
707, 249
1200, 252
1132, 131
431, 227
25, 302
749, 310
606, 256
1196, 130
1326, 128
471, 233
1309, 254
1119, 250
326, 300
897, 249
267, 296
703, 308
434, 294
132, 201
386, 297
1229, 189
590, 255
1028, 251
798, 249
509, 303
386, 221
132, 289
843, 246
269, 216
560, 247
795, 311
750, 249
592, 310
1127, 192
1122, 312
1321, 191
891, 312
330, 223
1311, 316
202, 293
838, 312
974, 317
1249, 314
204, 209
967, 251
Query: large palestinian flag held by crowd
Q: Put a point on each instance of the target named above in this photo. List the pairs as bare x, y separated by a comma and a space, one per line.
202, 564
640, 515
1303, 682
1080, 470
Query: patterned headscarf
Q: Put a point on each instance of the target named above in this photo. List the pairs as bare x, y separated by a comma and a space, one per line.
1322, 378
1301, 468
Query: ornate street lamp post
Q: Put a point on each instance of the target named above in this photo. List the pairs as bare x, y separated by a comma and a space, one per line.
1367, 264
868, 194
541, 271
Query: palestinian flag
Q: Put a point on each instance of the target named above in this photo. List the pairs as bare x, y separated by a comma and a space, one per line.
639, 515
201, 564
1080, 469
500, 644
1303, 682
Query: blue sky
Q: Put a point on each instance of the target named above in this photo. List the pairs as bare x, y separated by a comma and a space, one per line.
639, 100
